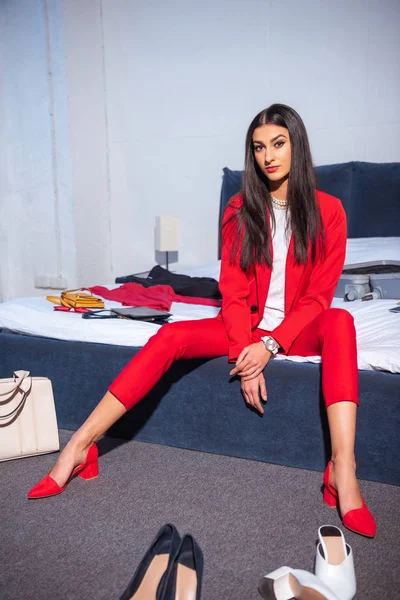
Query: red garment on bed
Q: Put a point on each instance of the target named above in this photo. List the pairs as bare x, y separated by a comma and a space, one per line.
159, 297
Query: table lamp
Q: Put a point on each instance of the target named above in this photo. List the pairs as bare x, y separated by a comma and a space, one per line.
166, 235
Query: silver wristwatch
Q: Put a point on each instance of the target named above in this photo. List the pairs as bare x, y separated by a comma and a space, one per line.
270, 344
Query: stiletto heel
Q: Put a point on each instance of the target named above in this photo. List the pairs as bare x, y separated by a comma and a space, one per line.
286, 583
49, 487
359, 520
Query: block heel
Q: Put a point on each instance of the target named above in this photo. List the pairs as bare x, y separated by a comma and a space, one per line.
90, 472
286, 583
330, 498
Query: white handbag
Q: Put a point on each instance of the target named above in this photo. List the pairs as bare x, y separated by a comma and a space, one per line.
28, 422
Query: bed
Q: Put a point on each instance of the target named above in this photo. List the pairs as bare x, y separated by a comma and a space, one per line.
196, 405
35, 316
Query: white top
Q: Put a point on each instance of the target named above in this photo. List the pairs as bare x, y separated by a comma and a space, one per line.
274, 310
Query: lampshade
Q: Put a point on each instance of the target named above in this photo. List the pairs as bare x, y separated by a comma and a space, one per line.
166, 234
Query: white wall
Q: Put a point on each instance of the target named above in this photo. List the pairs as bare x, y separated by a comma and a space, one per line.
160, 95
36, 220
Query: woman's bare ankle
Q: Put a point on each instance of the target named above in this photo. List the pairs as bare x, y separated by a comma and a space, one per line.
73, 455
80, 441
344, 480
343, 462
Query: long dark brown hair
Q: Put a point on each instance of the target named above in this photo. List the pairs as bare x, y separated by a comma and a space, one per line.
252, 217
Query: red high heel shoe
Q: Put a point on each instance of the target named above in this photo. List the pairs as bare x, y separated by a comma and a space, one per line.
359, 520
88, 470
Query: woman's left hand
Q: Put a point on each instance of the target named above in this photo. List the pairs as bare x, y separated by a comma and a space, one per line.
251, 361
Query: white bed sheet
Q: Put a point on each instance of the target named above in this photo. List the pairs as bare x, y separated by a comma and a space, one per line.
378, 330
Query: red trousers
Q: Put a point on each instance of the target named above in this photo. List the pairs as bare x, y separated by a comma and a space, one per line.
331, 335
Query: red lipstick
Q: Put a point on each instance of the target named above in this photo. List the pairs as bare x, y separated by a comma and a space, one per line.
271, 169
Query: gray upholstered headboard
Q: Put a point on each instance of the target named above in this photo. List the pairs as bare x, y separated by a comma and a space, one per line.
370, 194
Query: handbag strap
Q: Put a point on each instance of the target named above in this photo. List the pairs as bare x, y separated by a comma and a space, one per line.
18, 376
24, 387
16, 409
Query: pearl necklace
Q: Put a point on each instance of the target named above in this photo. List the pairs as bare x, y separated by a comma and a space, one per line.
280, 204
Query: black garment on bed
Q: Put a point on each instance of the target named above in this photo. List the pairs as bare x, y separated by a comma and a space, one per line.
200, 287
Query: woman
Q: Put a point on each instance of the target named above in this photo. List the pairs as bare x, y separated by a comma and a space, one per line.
283, 250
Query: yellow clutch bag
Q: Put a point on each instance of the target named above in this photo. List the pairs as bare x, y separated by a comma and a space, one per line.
74, 299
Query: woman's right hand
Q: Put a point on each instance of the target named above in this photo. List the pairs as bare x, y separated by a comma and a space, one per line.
252, 389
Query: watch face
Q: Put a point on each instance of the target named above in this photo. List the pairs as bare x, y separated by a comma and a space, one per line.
270, 344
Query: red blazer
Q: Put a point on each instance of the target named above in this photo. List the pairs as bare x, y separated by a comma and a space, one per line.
309, 288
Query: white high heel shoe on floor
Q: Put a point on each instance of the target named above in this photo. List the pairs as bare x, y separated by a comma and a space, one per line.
334, 563
286, 583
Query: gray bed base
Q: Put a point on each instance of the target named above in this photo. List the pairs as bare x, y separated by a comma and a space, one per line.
198, 406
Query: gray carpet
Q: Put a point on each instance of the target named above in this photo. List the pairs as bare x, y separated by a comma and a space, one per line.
248, 517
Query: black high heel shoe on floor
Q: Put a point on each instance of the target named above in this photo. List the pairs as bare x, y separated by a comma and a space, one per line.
148, 581
185, 575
